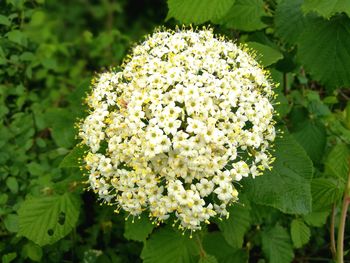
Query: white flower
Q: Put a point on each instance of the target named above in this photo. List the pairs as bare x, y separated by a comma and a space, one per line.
187, 116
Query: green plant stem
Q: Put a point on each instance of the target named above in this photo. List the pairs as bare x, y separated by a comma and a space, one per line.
333, 248
341, 230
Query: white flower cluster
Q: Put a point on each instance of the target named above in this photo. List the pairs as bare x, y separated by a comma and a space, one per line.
189, 115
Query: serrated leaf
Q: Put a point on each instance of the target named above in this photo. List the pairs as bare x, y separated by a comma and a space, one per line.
300, 233
265, 54
167, 245
74, 157
44, 220
198, 11
234, 228
325, 192
245, 15
316, 219
289, 20
328, 58
337, 162
326, 8
138, 229
208, 259
277, 246
312, 137
215, 244
287, 186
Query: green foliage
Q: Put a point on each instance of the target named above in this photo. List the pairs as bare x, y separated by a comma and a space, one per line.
245, 15
74, 157
328, 60
198, 11
267, 55
45, 220
276, 245
234, 228
300, 233
312, 136
138, 229
167, 245
326, 8
291, 176
337, 163
214, 244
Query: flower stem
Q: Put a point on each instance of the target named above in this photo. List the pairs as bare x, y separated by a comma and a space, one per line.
341, 230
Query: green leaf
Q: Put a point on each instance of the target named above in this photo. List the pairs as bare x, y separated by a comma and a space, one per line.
215, 244
208, 259
12, 184
245, 15
44, 220
138, 229
11, 223
287, 186
167, 245
325, 192
33, 251
267, 55
337, 162
4, 20
328, 58
9, 257
234, 228
198, 11
312, 136
289, 20
326, 8
74, 157
316, 219
300, 233
17, 37
276, 245
61, 122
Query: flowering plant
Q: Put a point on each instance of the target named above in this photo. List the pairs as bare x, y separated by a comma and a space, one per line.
188, 116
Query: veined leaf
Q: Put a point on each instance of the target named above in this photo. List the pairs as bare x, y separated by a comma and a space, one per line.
324, 193
290, 20
167, 245
44, 220
287, 186
277, 246
234, 228
312, 136
326, 8
337, 163
300, 233
245, 15
215, 244
267, 55
198, 11
324, 50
